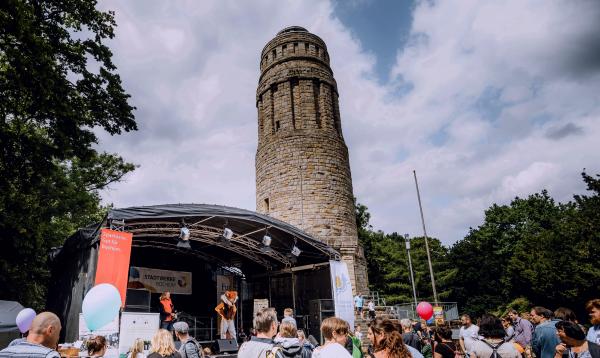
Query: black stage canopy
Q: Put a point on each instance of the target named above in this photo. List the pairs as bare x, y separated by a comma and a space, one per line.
160, 225
158, 228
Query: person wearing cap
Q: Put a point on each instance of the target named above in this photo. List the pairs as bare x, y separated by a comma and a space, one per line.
189, 347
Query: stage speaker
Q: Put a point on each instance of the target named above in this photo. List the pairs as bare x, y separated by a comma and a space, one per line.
137, 300
227, 345
319, 310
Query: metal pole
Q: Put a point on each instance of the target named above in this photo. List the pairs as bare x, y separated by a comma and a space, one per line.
435, 298
270, 301
293, 293
412, 277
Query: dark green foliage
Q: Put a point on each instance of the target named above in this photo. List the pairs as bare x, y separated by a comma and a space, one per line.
532, 251
58, 86
387, 262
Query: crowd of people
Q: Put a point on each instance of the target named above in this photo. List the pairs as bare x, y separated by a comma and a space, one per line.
539, 333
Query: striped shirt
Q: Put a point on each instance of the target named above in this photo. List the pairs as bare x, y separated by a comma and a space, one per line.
26, 349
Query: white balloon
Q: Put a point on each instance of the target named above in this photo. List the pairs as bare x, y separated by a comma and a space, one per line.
101, 305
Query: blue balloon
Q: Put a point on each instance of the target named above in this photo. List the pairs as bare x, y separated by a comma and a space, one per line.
431, 320
101, 305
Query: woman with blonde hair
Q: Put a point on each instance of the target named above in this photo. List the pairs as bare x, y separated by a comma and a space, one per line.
163, 346
137, 349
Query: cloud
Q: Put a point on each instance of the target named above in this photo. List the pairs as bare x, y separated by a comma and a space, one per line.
486, 101
563, 131
500, 82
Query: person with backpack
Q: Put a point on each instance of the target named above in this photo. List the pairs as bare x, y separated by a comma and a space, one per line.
265, 324
408, 335
444, 347
190, 348
492, 345
287, 343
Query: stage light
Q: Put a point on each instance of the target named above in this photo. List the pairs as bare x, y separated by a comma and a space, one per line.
266, 244
225, 238
184, 233
296, 251
184, 238
266, 240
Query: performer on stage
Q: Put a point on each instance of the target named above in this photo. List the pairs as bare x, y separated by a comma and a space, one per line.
167, 311
227, 310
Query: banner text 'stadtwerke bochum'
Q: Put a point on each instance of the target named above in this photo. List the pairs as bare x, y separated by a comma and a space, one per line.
158, 281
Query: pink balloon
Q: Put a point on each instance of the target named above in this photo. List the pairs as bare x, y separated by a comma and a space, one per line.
24, 319
425, 310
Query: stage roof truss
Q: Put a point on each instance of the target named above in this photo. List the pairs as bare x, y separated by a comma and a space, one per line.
241, 244
161, 224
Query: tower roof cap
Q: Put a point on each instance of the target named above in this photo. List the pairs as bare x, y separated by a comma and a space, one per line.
292, 29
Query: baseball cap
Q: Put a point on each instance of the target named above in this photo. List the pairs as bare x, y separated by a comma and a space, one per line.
181, 327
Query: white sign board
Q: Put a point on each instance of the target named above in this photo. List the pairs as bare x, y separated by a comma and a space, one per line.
342, 291
137, 325
158, 281
109, 331
260, 304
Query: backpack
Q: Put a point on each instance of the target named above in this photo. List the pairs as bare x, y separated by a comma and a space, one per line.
494, 348
356, 347
273, 352
457, 351
195, 343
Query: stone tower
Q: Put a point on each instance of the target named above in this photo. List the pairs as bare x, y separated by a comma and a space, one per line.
302, 167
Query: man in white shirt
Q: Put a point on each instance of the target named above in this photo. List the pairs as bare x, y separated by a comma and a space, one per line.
371, 306
469, 333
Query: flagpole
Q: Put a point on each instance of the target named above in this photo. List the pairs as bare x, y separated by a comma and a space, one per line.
435, 298
412, 276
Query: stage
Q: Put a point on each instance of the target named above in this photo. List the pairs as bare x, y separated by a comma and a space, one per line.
291, 269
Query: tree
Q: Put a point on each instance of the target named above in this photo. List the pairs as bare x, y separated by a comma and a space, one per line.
387, 263
534, 250
58, 87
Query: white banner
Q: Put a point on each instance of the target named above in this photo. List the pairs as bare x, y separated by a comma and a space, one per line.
342, 292
137, 325
158, 281
225, 283
260, 303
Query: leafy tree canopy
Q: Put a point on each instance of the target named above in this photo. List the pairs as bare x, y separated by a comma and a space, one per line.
532, 251
58, 88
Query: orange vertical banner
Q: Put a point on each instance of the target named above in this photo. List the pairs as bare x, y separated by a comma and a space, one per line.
113, 259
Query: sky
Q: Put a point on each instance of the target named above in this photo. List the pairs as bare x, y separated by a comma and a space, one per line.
485, 100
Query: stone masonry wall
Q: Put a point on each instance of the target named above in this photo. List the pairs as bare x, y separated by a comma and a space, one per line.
302, 167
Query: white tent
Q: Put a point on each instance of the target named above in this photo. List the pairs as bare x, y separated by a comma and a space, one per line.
8, 321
